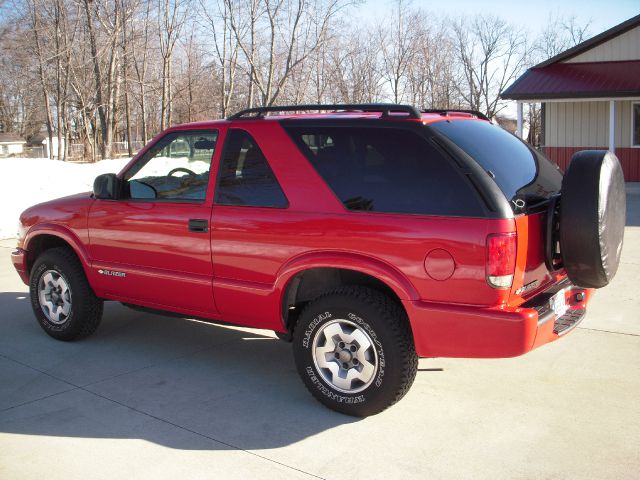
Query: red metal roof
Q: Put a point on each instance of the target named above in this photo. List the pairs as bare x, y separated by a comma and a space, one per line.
577, 80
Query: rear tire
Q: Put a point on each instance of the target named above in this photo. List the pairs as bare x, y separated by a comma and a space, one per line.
62, 299
592, 218
354, 351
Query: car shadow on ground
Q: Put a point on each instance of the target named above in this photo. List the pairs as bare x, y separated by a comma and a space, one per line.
182, 384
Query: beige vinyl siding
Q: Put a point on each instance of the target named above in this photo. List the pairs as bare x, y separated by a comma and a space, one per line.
577, 124
622, 47
586, 124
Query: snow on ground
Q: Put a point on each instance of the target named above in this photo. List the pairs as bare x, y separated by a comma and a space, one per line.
27, 181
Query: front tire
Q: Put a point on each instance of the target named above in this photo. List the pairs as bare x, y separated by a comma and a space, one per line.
62, 299
354, 351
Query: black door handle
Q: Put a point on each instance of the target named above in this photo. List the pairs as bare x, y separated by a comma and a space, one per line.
198, 225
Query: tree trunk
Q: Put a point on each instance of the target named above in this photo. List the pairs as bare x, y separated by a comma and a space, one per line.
106, 141
43, 83
125, 79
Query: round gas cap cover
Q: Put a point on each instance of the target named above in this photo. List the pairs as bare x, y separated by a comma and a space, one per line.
439, 264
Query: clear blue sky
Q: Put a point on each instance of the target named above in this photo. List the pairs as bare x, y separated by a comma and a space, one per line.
530, 14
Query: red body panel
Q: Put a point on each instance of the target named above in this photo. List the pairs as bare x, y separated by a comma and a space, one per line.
65, 218
165, 263
471, 332
530, 267
239, 270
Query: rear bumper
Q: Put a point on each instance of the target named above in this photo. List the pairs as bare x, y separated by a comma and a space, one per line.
472, 332
19, 259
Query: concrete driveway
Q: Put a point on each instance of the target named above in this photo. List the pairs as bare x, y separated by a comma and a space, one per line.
157, 397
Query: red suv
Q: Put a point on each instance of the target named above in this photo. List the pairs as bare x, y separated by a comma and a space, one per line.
369, 236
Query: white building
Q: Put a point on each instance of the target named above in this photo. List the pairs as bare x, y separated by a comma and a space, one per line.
590, 96
11, 144
42, 140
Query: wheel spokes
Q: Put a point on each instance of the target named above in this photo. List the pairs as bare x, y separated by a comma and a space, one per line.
54, 314
344, 354
54, 296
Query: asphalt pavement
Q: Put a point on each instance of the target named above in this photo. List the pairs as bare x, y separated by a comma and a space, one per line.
157, 397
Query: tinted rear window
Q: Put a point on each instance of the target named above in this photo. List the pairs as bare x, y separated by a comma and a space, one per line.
245, 177
386, 170
520, 172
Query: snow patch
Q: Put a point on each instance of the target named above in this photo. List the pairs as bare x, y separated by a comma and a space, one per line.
27, 181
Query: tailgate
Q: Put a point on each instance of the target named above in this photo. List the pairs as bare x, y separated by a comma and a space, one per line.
531, 274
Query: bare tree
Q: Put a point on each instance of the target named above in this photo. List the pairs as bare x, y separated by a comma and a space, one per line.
34, 9
105, 15
128, 10
431, 76
560, 34
171, 19
226, 50
139, 45
397, 41
491, 54
290, 32
21, 105
101, 71
356, 77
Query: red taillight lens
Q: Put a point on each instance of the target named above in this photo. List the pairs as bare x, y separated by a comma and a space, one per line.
501, 259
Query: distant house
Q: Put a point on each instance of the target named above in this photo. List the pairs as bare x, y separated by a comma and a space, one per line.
590, 96
41, 140
508, 124
11, 144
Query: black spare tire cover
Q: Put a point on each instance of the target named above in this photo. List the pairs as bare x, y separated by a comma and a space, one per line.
592, 218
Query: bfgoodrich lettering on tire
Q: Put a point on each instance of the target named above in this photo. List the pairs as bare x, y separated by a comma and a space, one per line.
354, 351
64, 303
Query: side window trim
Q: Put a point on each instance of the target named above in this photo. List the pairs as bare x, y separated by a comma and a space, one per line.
228, 136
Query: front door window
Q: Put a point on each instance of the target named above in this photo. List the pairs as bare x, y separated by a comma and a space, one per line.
175, 169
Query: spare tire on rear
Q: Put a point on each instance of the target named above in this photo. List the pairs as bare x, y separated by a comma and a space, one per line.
592, 218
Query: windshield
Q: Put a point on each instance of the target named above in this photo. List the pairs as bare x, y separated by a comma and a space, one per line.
525, 176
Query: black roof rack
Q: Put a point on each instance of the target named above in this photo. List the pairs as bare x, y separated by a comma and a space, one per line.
385, 108
444, 111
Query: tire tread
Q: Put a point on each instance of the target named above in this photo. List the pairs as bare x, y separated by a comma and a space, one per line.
397, 324
92, 307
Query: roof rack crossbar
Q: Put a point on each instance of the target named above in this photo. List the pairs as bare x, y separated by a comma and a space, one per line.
385, 108
444, 111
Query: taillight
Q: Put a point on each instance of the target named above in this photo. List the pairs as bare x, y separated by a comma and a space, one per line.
501, 259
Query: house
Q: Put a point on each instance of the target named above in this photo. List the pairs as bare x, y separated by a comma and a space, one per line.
41, 140
11, 145
508, 124
590, 96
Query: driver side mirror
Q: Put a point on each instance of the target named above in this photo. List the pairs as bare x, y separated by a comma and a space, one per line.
107, 186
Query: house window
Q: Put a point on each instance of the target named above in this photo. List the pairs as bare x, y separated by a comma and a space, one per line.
635, 124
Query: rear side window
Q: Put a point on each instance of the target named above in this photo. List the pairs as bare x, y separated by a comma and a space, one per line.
523, 175
245, 177
386, 170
